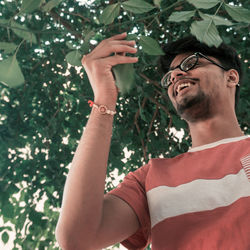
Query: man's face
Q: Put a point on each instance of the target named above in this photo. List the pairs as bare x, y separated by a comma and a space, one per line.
196, 92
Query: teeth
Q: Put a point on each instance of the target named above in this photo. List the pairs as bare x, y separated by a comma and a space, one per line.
182, 85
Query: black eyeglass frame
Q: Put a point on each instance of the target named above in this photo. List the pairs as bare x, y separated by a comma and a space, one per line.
197, 55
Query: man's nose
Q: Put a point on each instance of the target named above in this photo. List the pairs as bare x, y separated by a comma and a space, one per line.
176, 74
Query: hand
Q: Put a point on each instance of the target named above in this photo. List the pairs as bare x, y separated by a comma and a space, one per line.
99, 62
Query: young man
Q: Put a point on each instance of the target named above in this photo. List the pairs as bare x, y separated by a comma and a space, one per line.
197, 200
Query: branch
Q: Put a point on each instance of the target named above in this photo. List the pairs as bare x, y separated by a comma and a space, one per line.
70, 28
138, 128
155, 83
146, 17
67, 25
165, 109
54, 115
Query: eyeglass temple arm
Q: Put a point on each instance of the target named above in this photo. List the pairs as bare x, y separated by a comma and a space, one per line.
212, 61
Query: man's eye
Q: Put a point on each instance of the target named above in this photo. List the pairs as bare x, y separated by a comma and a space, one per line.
197, 65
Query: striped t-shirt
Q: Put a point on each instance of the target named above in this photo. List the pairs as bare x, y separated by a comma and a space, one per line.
199, 200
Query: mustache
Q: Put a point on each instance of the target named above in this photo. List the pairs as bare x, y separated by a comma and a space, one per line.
186, 78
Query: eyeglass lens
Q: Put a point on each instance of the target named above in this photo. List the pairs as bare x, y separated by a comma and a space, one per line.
187, 64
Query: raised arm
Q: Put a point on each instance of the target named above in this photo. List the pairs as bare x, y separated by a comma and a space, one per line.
88, 220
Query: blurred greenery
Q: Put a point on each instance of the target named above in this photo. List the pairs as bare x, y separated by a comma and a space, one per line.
44, 108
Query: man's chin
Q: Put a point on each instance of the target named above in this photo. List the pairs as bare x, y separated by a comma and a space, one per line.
186, 103
194, 108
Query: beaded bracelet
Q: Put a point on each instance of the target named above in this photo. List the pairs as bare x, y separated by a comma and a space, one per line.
101, 108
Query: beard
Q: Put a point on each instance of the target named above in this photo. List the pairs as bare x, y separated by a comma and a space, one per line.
195, 108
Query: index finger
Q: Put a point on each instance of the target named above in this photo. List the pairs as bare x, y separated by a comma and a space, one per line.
119, 36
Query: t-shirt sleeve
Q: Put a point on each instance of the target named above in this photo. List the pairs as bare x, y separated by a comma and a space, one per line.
132, 190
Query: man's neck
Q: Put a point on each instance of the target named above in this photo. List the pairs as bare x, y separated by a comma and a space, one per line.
214, 129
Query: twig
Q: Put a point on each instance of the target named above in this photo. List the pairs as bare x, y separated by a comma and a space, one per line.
152, 121
76, 14
55, 114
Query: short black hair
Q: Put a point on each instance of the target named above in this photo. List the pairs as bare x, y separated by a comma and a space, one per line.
225, 54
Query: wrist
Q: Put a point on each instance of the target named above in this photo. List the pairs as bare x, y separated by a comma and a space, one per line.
109, 103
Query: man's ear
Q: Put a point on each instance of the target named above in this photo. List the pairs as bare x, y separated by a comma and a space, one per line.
232, 78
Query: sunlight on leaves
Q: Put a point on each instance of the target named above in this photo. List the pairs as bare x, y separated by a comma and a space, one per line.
216, 19
239, 14
206, 31
180, 16
150, 46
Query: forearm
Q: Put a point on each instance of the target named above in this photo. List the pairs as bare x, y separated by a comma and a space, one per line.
84, 189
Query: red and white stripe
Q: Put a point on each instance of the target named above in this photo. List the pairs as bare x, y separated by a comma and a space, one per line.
245, 161
196, 196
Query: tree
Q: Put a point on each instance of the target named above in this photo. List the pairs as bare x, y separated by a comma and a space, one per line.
44, 95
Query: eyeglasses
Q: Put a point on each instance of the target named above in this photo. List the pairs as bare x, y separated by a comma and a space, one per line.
187, 64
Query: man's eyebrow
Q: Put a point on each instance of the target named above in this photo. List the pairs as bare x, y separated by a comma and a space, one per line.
173, 67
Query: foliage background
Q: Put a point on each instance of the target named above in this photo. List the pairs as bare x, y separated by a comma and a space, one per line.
43, 106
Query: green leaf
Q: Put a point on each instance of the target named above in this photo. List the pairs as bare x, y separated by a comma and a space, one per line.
88, 35
5, 228
35, 216
157, 3
150, 46
5, 237
206, 32
216, 19
239, 14
4, 21
137, 6
50, 5
110, 13
11, 6
23, 32
8, 209
179, 16
124, 76
21, 220
74, 58
85, 47
131, 37
70, 45
203, 4
10, 72
29, 6
7, 47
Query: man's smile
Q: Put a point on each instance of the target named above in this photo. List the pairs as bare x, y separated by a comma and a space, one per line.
183, 85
